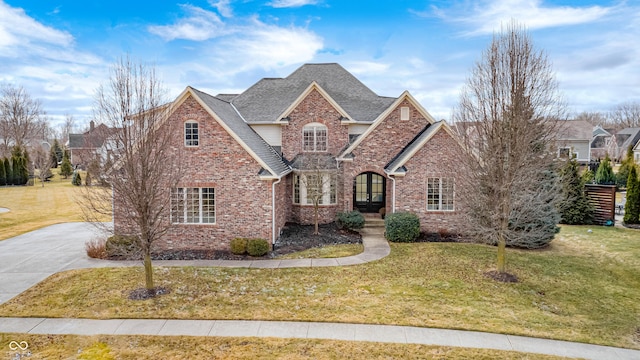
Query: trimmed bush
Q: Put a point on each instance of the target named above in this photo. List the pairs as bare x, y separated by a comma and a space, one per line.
352, 220
122, 246
257, 247
239, 246
402, 227
76, 179
96, 249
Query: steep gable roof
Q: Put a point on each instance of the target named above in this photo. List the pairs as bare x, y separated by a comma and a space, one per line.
405, 96
227, 116
270, 97
396, 165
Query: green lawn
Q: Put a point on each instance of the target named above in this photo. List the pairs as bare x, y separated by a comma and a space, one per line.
184, 347
34, 207
585, 287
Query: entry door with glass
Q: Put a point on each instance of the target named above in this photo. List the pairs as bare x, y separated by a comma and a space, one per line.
369, 192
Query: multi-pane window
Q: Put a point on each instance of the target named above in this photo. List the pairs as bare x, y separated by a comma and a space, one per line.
191, 134
193, 206
440, 194
314, 137
309, 187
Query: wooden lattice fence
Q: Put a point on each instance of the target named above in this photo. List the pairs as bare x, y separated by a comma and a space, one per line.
603, 198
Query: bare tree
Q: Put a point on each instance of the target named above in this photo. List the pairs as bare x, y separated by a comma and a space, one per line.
43, 162
147, 160
626, 115
20, 116
509, 105
593, 118
315, 180
67, 127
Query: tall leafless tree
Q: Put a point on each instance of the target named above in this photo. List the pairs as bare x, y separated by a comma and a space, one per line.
626, 115
147, 158
508, 111
21, 117
67, 127
43, 163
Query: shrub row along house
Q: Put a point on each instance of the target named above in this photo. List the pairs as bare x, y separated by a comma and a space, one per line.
254, 161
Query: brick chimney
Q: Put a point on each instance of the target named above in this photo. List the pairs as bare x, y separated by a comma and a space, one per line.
92, 125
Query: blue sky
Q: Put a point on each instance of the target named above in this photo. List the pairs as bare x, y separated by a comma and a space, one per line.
61, 50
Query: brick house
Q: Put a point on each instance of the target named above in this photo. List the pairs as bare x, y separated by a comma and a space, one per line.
84, 147
250, 158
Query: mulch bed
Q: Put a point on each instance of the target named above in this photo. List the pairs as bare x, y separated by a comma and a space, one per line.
294, 238
501, 276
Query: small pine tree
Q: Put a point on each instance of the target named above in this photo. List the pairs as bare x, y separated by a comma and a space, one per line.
15, 167
8, 172
53, 154
574, 208
76, 179
605, 174
27, 167
3, 175
65, 167
87, 179
632, 207
623, 172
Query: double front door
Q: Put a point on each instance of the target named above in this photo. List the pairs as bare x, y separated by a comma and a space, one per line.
369, 192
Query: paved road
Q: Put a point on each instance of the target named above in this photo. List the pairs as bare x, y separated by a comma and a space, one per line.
27, 259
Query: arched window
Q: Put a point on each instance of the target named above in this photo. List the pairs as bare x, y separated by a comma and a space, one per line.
314, 137
191, 133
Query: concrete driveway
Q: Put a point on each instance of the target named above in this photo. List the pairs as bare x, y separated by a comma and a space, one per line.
28, 259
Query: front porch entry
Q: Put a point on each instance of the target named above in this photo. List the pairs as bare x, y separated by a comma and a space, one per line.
369, 192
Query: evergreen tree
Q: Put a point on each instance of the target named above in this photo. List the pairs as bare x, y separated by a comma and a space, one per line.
632, 207
605, 174
15, 167
76, 179
65, 167
55, 153
27, 167
3, 176
574, 208
623, 172
8, 172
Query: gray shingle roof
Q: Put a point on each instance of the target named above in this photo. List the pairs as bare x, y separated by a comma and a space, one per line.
269, 98
417, 142
230, 117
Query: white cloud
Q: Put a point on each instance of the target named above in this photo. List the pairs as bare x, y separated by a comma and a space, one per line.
198, 26
223, 7
291, 3
18, 29
366, 67
487, 17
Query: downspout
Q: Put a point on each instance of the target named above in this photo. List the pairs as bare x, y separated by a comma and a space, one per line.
393, 192
273, 211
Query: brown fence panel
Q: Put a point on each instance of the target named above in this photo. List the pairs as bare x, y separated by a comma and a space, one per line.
603, 198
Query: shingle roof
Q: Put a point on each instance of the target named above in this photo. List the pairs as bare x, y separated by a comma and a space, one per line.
413, 146
92, 138
575, 130
230, 117
269, 98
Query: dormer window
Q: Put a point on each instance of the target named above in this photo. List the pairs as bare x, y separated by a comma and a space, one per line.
314, 137
191, 134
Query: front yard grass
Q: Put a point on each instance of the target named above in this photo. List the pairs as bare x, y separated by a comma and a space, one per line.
184, 347
34, 207
585, 287
324, 252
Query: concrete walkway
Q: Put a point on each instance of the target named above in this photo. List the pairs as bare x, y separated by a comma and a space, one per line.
314, 330
27, 259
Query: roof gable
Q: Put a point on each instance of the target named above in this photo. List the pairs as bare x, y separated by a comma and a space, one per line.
226, 115
269, 98
313, 86
405, 96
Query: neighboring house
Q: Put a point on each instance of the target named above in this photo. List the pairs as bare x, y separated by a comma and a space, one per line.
601, 143
250, 161
84, 147
574, 140
621, 142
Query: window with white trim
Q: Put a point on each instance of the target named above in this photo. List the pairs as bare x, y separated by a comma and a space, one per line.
309, 187
440, 194
404, 113
314, 137
191, 133
193, 206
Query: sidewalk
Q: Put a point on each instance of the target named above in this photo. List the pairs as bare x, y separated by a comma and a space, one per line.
314, 330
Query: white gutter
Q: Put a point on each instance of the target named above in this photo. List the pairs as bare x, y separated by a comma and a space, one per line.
273, 211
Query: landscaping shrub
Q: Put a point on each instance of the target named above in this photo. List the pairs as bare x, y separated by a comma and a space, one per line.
257, 247
352, 220
239, 246
96, 249
402, 227
123, 246
77, 179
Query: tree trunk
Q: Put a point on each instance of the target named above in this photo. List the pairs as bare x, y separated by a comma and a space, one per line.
148, 271
316, 230
502, 247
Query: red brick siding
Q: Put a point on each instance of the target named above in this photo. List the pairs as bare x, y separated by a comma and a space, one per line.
411, 190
